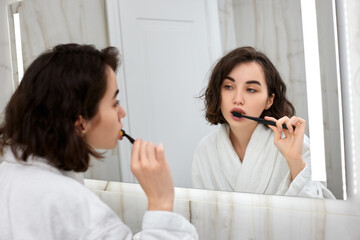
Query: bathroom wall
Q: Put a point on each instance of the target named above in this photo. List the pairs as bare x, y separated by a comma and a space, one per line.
223, 215
228, 215
5, 61
58, 22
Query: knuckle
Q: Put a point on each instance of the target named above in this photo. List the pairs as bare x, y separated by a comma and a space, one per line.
134, 168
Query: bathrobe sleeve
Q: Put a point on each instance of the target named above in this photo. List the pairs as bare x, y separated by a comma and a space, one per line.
302, 185
156, 225
166, 225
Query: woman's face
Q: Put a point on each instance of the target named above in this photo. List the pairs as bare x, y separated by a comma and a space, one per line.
245, 91
103, 130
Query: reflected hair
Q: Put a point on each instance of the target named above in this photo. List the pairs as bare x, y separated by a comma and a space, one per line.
275, 85
60, 85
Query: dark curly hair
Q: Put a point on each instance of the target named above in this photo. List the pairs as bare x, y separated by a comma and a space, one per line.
59, 86
281, 105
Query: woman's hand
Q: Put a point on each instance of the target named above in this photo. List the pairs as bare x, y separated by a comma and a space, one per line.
149, 165
292, 144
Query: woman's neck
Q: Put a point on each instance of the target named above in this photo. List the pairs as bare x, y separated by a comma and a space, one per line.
240, 138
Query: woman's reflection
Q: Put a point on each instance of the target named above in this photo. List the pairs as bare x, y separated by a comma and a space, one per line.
245, 156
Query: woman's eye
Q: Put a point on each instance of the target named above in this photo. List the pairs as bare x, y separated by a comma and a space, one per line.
228, 87
117, 103
251, 90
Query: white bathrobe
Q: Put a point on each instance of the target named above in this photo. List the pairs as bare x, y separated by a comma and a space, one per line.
263, 170
37, 201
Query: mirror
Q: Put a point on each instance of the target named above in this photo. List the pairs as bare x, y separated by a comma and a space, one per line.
169, 112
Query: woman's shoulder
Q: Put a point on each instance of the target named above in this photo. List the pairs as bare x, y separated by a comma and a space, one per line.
42, 181
58, 192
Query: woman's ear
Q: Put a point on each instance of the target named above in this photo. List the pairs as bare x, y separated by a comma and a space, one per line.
270, 101
81, 125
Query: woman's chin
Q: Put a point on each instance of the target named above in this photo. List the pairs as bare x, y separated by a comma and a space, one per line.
106, 146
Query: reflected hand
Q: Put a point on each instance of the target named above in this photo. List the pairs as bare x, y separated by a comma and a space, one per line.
292, 144
149, 165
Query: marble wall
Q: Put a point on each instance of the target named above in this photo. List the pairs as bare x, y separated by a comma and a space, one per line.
226, 215
5, 60
223, 215
58, 22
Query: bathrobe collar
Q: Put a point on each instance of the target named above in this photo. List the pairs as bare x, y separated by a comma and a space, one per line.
258, 163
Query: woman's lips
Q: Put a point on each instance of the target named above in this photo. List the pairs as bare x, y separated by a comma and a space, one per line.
237, 118
120, 137
239, 110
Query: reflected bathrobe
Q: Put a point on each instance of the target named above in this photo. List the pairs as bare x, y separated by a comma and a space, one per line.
263, 170
37, 201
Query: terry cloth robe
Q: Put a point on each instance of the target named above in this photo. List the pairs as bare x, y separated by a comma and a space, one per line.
263, 170
37, 201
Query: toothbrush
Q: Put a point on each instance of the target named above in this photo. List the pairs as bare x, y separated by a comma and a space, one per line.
123, 133
259, 120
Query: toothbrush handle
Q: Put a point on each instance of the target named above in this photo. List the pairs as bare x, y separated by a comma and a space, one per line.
130, 138
123, 133
263, 121
272, 123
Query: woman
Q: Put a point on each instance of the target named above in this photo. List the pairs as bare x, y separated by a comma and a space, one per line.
64, 109
243, 155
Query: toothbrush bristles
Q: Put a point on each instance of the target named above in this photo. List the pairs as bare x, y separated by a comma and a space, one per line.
123, 133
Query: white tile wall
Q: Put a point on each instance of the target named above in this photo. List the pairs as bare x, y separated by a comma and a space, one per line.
226, 215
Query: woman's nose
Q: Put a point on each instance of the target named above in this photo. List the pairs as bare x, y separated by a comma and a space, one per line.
121, 113
238, 98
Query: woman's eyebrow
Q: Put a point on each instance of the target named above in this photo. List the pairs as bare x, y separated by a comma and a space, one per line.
229, 78
253, 82
247, 82
116, 93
